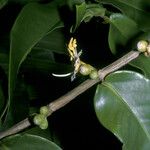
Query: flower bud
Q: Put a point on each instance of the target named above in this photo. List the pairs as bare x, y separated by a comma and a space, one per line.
44, 124
142, 46
94, 74
44, 110
85, 69
38, 119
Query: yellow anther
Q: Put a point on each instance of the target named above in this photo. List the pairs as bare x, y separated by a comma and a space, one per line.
72, 44
72, 49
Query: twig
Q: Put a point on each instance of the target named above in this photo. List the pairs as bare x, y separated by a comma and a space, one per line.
65, 99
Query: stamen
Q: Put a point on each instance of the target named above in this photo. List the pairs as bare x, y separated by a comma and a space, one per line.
62, 75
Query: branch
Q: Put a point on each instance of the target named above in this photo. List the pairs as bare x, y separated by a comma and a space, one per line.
65, 99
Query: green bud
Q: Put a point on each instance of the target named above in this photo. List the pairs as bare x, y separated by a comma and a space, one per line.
142, 46
38, 119
44, 110
85, 69
94, 74
44, 124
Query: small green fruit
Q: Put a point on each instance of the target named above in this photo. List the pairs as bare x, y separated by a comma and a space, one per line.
94, 74
85, 69
38, 119
44, 124
142, 46
44, 110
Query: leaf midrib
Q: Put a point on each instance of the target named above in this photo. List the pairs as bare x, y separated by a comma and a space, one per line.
112, 88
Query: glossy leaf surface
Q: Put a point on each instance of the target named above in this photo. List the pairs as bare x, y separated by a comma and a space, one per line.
122, 105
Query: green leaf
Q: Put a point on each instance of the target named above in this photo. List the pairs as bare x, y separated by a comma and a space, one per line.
80, 12
32, 24
72, 3
93, 10
85, 12
20, 104
40, 53
122, 29
49, 42
137, 10
3, 3
122, 105
48, 134
142, 63
45, 65
39, 132
27, 141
